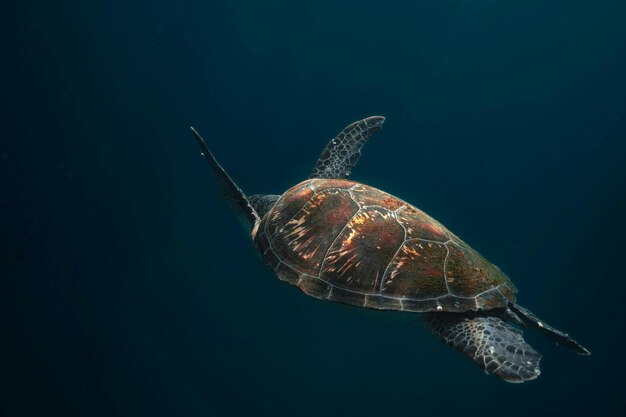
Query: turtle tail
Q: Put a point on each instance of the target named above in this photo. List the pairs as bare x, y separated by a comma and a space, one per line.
233, 194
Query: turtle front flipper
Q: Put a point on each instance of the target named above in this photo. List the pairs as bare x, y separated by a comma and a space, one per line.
493, 345
344, 150
529, 319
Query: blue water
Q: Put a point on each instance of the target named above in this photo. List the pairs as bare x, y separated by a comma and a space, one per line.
130, 288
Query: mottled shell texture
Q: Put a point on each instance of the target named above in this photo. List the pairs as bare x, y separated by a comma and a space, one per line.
354, 244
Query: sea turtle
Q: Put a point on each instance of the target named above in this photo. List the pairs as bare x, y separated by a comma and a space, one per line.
347, 242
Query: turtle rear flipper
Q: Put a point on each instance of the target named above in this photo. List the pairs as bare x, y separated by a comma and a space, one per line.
493, 345
529, 319
233, 194
344, 150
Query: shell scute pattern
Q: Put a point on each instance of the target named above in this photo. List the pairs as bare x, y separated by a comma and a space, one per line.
417, 258
314, 286
366, 196
304, 239
287, 206
354, 244
468, 274
360, 254
419, 225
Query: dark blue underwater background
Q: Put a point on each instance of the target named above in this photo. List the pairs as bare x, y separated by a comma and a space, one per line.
130, 288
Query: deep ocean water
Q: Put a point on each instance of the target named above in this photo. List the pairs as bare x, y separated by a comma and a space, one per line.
130, 289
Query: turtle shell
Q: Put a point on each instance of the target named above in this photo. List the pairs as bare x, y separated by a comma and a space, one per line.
351, 243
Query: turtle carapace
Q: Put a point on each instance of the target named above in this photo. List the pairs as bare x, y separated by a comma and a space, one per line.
343, 241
